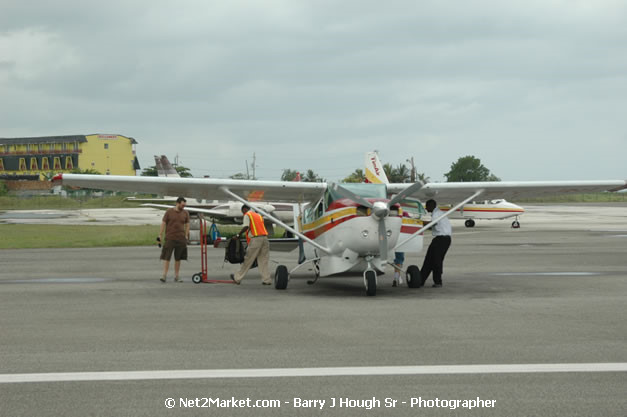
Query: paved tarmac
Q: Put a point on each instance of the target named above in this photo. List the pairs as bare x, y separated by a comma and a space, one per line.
552, 292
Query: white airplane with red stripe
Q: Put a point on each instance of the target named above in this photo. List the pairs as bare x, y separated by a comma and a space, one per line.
341, 228
496, 209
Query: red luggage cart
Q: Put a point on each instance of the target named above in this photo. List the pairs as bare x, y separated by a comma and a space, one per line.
202, 275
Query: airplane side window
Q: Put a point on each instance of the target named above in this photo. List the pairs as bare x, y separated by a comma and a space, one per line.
319, 210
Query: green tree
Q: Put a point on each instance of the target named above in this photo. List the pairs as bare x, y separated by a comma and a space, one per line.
150, 172
423, 177
400, 174
357, 176
388, 169
311, 176
467, 169
89, 171
3, 188
183, 171
289, 175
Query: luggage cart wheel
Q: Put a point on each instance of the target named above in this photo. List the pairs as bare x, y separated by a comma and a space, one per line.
197, 278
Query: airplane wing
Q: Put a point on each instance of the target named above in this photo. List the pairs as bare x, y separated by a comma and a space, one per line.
211, 213
451, 192
207, 188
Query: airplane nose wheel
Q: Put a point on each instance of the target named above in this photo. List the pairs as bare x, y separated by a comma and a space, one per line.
370, 281
515, 224
469, 223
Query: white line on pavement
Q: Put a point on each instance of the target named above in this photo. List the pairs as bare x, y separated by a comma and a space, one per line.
313, 372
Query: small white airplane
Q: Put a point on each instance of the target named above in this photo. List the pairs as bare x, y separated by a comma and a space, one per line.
224, 212
496, 209
348, 227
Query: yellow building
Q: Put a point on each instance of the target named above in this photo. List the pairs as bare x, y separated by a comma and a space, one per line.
45, 156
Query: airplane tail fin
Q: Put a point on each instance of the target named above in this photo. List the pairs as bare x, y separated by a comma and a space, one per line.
374, 169
159, 167
168, 169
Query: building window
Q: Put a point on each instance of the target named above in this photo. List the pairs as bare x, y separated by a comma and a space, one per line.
57, 163
22, 164
33, 164
64, 146
45, 165
106, 146
76, 146
40, 147
1, 165
68, 163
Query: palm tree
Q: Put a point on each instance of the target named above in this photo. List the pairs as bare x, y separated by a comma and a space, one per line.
423, 177
389, 171
311, 176
400, 174
357, 176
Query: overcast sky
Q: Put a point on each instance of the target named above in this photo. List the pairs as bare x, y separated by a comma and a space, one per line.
535, 89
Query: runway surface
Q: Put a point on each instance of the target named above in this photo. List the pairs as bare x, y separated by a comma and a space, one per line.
533, 319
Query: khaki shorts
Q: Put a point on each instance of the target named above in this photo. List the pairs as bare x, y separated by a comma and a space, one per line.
179, 247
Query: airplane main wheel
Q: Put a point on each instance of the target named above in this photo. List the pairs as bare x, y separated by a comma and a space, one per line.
281, 276
370, 279
470, 223
515, 224
197, 278
414, 280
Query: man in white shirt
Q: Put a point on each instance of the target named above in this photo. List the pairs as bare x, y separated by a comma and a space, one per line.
434, 259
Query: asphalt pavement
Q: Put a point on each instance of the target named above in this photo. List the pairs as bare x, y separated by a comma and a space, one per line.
552, 292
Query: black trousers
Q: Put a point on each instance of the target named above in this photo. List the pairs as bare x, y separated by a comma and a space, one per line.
434, 260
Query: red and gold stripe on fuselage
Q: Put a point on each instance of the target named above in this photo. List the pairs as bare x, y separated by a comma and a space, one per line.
339, 212
411, 226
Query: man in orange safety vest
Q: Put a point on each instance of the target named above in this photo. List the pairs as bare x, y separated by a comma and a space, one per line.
258, 246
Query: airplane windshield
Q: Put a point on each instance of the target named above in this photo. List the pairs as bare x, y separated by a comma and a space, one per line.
361, 189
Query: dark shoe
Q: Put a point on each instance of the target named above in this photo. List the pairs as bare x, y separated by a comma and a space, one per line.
436, 285
233, 279
265, 283
162, 279
178, 279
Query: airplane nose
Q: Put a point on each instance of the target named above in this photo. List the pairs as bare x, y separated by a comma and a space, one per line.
380, 210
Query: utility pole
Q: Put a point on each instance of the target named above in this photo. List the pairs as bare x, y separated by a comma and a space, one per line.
254, 164
413, 169
247, 174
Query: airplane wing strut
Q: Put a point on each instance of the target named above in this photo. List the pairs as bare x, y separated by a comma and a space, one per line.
275, 220
433, 223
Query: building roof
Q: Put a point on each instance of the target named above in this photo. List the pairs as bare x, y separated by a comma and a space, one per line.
43, 139
50, 139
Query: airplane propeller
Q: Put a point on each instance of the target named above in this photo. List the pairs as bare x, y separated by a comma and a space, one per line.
380, 210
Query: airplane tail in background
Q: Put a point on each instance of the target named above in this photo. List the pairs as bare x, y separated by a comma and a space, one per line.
159, 167
374, 169
168, 169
